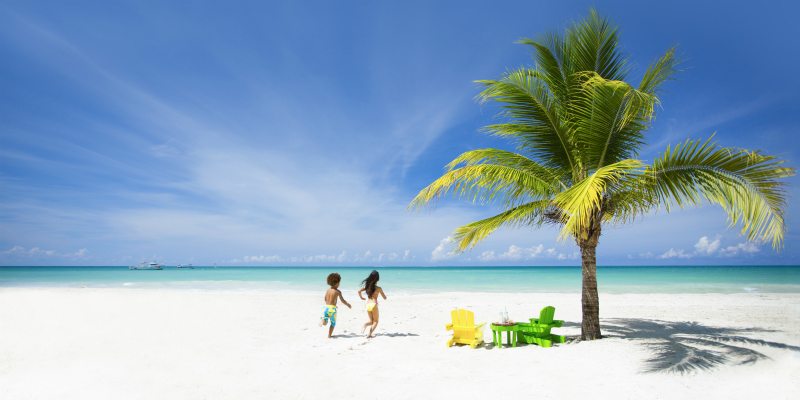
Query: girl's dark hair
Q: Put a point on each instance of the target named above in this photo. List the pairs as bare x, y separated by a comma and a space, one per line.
371, 282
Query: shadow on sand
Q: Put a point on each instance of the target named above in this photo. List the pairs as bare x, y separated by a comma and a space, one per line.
685, 346
346, 335
395, 334
387, 334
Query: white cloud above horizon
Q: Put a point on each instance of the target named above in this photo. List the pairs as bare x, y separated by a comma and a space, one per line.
446, 250
705, 247
400, 257
517, 253
18, 251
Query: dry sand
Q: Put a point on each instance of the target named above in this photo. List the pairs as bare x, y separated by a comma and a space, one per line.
72, 343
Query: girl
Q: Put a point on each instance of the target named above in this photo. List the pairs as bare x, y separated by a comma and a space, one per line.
373, 290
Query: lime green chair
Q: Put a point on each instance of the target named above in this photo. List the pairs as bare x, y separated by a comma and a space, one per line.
538, 330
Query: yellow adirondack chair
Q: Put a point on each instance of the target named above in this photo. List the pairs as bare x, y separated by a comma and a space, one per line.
464, 329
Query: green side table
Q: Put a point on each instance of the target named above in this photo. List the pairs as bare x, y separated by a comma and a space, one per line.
511, 330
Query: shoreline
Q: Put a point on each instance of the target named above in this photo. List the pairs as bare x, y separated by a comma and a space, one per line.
712, 279
262, 287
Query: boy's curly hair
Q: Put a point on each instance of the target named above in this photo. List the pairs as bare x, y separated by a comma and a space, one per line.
334, 278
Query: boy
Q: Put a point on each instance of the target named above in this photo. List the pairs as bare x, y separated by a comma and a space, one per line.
331, 296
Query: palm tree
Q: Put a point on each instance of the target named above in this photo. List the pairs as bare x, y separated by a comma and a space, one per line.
578, 128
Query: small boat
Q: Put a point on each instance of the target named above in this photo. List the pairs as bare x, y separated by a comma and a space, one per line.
187, 266
150, 265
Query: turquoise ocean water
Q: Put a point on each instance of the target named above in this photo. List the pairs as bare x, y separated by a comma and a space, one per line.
683, 279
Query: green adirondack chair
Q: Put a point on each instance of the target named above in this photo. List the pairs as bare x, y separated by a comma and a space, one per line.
538, 330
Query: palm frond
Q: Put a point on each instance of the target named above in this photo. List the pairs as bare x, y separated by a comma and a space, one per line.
550, 66
552, 177
485, 183
609, 119
533, 213
582, 203
659, 72
631, 197
746, 184
533, 117
594, 46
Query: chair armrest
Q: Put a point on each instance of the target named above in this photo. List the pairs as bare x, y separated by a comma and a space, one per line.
557, 323
480, 326
448, 327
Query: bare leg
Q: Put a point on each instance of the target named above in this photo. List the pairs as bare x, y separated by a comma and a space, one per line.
368, 323
330, 331
374, 317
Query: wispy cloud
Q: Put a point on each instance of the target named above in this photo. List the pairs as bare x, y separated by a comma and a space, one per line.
342, 257
517, 253
672, 253
706, 124
445, 250
740, 248
705, 247
20, 252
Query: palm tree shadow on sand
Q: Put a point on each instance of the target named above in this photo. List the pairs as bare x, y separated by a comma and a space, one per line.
687, 346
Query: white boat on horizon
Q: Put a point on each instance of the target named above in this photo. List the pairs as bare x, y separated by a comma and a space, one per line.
151, 266
185, 266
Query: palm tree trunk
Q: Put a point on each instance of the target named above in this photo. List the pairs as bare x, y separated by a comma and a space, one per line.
590, 302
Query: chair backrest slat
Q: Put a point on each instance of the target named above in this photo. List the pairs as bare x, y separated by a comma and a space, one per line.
462, 317
547, 314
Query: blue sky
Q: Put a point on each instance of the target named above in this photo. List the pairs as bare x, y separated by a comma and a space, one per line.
295, 133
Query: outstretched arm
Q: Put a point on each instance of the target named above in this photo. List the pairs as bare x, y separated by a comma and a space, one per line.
359, 293
343, 300
380, 290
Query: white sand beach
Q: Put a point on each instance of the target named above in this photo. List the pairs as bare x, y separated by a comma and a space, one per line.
72, 343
